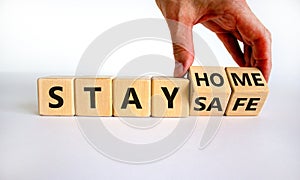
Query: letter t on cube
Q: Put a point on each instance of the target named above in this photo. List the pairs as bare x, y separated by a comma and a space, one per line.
93, 96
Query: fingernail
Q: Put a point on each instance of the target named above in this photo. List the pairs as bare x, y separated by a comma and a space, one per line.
178, 71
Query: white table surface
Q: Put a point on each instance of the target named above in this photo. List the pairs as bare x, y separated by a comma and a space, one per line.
36, 147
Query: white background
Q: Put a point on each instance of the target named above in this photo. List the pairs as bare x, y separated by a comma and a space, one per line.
49, 37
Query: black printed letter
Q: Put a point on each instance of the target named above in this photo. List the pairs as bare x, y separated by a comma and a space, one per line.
60, 100
135, 100
170, 98
92, 94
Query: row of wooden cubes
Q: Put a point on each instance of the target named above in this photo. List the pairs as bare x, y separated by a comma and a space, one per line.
207, 91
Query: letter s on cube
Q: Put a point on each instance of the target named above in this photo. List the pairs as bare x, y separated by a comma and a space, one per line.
209, 91
56, 96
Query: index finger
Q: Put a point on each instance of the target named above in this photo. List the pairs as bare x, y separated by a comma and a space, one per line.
258, 37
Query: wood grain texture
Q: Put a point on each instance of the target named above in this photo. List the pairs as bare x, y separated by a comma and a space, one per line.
249, 91
209, 91
170, 97
93, 96
62, 90
138, 101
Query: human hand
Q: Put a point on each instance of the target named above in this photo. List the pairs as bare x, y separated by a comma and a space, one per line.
231, 20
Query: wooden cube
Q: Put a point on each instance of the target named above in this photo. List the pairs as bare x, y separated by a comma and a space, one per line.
249, 91
56, 96
131, 96
93, 96
170, 97
209, 91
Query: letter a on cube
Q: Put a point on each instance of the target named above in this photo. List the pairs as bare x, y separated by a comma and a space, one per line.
131, 96
209, 91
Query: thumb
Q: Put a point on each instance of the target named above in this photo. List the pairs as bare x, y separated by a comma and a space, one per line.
183, 47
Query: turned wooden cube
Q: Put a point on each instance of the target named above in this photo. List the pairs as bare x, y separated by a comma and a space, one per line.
209, 91
170, 97
93, 96
249, 91
56, 96
131, 96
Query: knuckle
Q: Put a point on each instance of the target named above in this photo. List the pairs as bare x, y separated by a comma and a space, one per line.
180, 53
268, 34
